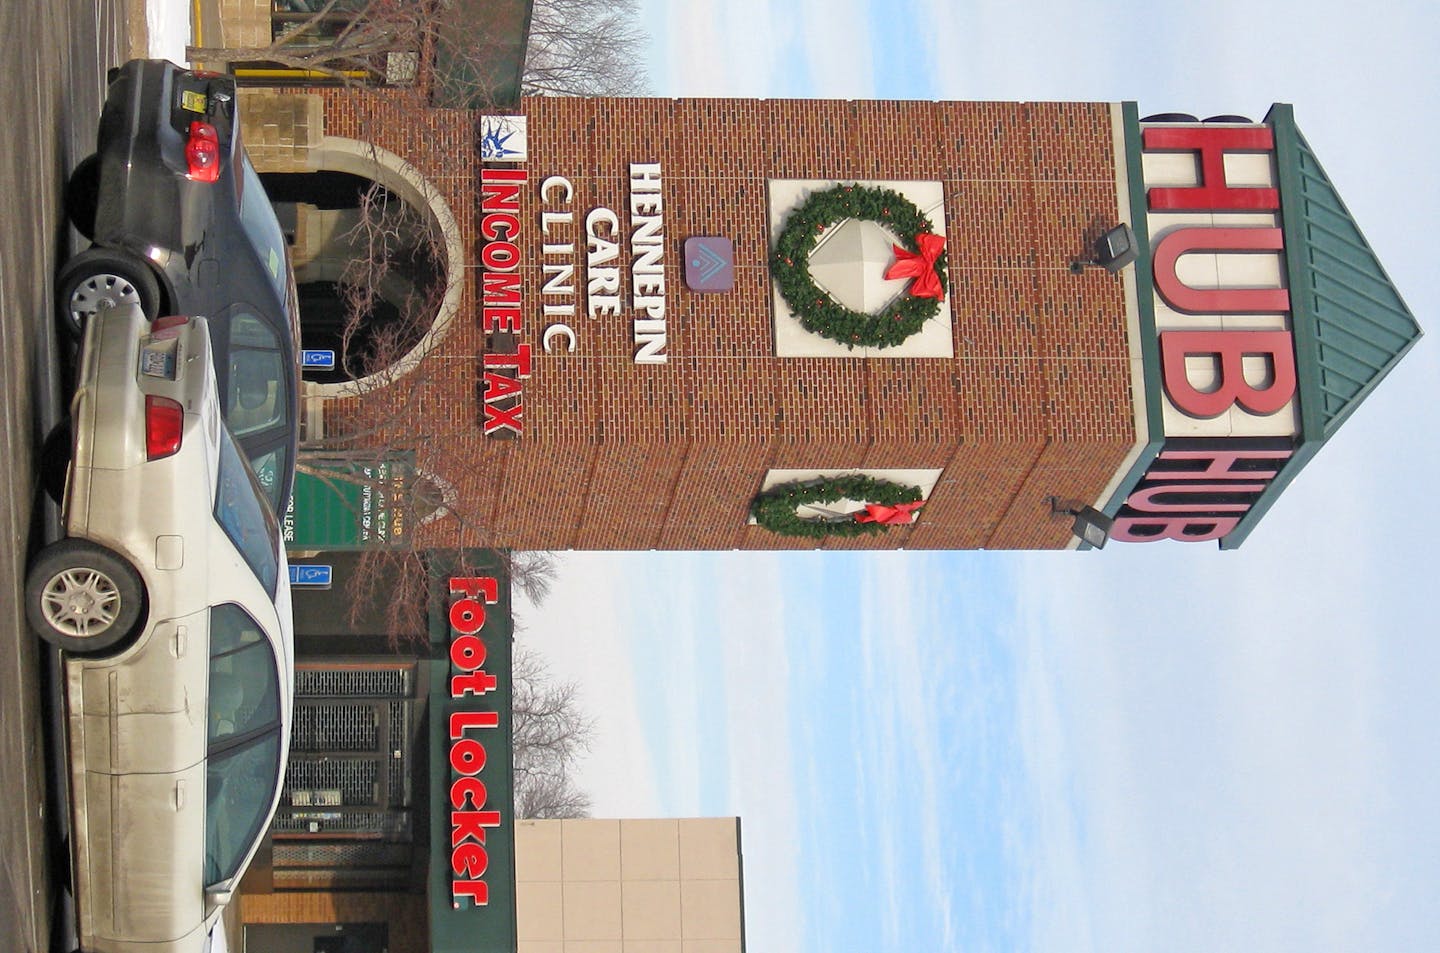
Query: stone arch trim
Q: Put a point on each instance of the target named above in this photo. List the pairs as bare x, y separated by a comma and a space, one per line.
339, 154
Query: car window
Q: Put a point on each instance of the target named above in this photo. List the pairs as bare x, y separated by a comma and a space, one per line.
240, 786
257, 216
243, 516
242, 739
256, 394
269, 469
244, 692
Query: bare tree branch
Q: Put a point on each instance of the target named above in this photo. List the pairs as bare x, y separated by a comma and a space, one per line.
550, 734
575, 47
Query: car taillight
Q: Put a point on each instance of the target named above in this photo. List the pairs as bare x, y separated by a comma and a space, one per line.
202, 153
168, 321
168, 327
164, 425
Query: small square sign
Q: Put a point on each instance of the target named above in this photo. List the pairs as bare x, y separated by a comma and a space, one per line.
502, 139
312, 575
319, 358
709, 264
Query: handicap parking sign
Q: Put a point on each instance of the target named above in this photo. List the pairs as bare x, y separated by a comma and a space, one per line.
318, 359
310, 575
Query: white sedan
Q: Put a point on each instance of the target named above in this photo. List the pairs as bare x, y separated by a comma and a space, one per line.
170, 598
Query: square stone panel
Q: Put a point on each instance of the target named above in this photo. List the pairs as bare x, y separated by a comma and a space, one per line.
538, 911
652, 910
710, 848
537, 851
650, 849
592, 911
591, 849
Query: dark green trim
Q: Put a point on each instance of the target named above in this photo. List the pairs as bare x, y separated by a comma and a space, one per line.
1303, 454
740, 868
490, 929
1281, 119
1145, 305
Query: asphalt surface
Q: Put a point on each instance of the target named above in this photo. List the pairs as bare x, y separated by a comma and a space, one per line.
55, 53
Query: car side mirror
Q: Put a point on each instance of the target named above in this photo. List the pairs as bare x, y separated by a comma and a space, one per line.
219, 895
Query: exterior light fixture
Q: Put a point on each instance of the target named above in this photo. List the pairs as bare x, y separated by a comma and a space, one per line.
1113, 250
1091, 526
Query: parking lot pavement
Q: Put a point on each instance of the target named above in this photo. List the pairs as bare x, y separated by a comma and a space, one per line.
54, 61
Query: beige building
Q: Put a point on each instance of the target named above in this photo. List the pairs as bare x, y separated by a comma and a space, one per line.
629, 886
581, 886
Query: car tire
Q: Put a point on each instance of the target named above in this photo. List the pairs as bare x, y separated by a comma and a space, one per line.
55, 454
82, 195
100, 278
82, 597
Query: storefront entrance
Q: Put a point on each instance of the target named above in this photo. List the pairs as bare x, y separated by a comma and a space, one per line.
316, 938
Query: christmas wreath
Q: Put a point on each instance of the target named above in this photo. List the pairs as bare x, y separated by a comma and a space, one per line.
922, 258
887, 504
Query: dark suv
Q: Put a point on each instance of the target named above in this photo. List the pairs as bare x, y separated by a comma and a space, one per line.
180, 224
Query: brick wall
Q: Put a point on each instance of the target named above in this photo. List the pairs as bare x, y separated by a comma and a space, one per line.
1035, 401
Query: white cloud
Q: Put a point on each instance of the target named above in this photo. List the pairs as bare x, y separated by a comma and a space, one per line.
899, 653
719, 47
1224, 749
836, 47
672, 722
582, 633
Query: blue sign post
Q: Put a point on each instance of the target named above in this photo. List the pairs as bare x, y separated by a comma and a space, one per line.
317, 359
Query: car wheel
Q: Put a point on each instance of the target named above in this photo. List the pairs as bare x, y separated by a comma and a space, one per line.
55, 454
100, 278
82, 597
82, 195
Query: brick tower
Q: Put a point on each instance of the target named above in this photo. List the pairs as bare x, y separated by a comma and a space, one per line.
632, 357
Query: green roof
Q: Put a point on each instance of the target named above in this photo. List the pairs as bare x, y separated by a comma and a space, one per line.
1345, 308
1350, 324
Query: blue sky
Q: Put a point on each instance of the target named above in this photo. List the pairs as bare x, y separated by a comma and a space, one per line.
1150, 747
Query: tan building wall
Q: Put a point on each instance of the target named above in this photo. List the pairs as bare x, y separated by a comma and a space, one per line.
629, 886
582, 886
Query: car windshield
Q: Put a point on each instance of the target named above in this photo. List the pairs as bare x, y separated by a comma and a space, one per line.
244, 516
258, 218
240, 786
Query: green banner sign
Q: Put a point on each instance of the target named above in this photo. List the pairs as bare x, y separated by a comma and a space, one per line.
348, 504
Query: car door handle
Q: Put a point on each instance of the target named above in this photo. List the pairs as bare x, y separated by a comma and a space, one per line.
179, 795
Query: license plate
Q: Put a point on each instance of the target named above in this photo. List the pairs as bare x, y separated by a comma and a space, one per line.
158, 364
193, 101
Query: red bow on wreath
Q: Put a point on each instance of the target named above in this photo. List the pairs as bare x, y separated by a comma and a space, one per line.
921, 266
898, 515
